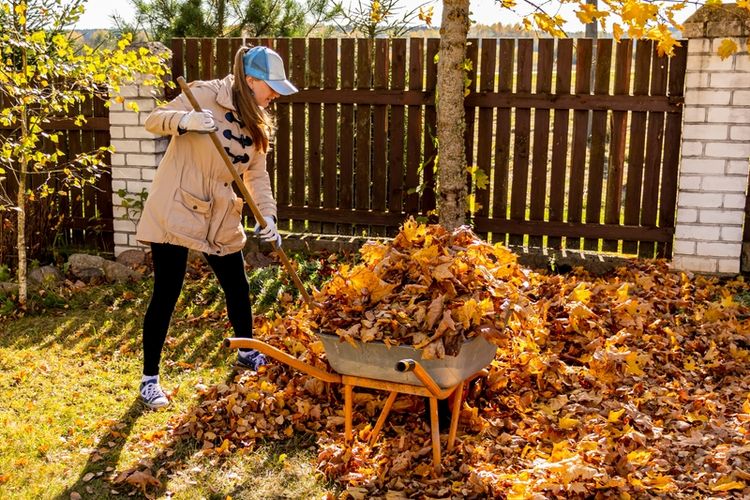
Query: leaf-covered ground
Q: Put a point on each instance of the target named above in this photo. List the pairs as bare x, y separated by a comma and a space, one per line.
633, 384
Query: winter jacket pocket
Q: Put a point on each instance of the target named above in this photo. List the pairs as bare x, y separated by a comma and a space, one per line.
189, 216
230, 230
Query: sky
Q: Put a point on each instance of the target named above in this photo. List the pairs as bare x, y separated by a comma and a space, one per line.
98, 13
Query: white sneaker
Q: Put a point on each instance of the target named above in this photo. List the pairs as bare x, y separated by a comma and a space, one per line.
152, 395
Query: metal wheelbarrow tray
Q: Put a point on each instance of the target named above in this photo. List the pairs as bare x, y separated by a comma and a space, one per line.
377, 360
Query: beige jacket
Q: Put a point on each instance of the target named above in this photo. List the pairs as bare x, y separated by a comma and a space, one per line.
191, 202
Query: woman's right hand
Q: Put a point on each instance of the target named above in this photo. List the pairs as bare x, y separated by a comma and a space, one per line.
198, 121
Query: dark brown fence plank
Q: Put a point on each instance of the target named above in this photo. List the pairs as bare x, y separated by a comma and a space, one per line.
224, 59
540, 155
472, 54
364, 122
104, 210
580, 139
88, 200
560, 139
643, 50
654, 148
75, 147
500, 181
192, 59
616, 164
207, 59
234, 46
414, 127
299, 131
380, 134
598, 139
178, 63
396, 129
672, 143
520, 183
314, 62
487, 73
283, 143
430, 128
346, 165
330, 130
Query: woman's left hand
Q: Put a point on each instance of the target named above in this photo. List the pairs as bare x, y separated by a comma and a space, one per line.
269, 233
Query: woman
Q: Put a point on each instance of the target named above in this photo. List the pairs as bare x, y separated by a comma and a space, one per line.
192, 205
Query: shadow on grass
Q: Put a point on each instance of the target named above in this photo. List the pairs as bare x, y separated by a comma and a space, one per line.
106, 319
263, 472
106, 453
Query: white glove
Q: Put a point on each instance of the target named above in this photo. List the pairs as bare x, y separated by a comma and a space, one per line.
198, 121
270, 233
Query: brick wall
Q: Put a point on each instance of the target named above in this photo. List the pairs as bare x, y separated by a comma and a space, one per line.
137, 154
715, 145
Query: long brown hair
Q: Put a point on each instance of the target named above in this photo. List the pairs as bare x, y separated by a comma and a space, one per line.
255, 119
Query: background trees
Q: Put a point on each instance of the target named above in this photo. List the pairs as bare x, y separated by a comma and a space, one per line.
164, 19
44, 76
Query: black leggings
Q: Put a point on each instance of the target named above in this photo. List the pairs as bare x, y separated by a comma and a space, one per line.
170, 263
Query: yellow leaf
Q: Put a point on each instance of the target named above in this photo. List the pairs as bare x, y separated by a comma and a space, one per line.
622, 292
224, 447
663, 483
731, 485
639, 457
746, 406
614, 416
689, 364
633, 368
727, 300
617, 31
581, 294
567, 422
727, 48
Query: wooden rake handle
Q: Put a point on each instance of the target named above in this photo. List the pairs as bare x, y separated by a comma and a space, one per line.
245, 193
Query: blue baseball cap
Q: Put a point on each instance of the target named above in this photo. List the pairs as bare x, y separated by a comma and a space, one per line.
265, 64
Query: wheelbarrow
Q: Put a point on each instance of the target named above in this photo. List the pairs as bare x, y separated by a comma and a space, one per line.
395, 369
372, 365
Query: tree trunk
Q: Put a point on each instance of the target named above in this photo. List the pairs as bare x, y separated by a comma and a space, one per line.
221, 14
21, 202
450, 114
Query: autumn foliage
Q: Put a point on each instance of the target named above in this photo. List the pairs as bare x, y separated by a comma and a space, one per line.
630, 385
429, 288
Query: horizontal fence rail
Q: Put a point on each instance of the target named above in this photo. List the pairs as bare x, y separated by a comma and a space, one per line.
577, 141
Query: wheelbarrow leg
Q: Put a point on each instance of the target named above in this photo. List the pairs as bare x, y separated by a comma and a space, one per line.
383, 415
348, 413
457, 401
435, 427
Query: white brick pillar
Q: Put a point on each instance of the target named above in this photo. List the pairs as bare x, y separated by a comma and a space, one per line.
136, 155
715, 144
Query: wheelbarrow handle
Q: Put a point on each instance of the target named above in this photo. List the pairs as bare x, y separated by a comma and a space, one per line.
278, 355
410, 365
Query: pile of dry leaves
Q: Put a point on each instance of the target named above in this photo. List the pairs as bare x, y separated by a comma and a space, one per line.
429, 288
629, 385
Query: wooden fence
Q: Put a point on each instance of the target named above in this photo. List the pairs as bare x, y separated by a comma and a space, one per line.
70, 217
578, 139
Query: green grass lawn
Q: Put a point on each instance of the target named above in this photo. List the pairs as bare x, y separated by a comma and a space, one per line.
71, 422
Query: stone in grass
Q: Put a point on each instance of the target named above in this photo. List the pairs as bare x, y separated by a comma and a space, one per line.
90, 267
45, 275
